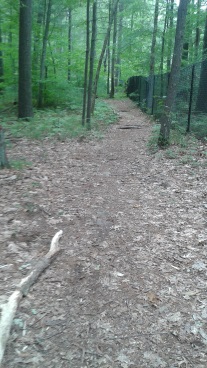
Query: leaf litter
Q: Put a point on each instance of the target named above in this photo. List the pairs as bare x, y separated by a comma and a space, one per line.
129, 288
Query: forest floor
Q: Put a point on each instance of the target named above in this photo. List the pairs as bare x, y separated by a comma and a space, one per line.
129, 288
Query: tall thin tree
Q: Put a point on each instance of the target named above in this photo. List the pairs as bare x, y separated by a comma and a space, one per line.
170, 29
119, 44
25, 63
165, 119
113, 12
69, 41
86, 61
108, 51
91, 71
43, 55
201, 105
113, 57
1, 62
152, 57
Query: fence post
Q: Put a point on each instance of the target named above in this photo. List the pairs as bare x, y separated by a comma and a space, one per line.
153, 97
149, 92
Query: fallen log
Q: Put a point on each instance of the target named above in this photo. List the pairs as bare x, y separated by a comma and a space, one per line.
9, 308
131, 127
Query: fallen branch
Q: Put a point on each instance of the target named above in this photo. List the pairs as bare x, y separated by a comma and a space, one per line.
131, 127
9, 308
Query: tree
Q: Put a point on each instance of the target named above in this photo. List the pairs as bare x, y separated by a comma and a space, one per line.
43, 55
69, 41
86, 61
170, 28
165, 119
108, 52
201, 105
106, 39
25, 78
92, 60
1, 61
113, 58
152, 57
119, 44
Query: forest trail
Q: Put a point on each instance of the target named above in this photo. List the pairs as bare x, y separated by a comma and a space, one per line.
129, 287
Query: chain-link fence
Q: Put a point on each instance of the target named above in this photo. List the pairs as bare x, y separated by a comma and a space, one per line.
190, 107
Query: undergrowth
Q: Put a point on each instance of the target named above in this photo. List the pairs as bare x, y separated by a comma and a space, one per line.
182, 147
60, 123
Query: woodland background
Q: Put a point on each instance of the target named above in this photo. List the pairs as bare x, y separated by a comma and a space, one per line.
62, 55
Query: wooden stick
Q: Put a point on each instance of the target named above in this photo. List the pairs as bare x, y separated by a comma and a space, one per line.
9, 308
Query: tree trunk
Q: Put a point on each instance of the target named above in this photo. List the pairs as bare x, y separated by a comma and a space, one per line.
113, 58
109, 53
69, 41
170, 42
1, 63
92, 59
198, 32
152, 58
119, 45
163, 50
43, 55
25, 64
102, 53
201, 105
11, 45
37, 37
174, 75
86, 61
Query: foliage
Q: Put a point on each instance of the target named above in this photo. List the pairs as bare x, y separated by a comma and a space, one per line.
103, 116
60, 123
19, 164
134, 51
180, 143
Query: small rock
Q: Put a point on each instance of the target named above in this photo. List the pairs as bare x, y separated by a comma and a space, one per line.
199, 266
12, 247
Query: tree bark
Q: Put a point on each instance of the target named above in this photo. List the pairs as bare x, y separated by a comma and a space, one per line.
165, 119
25, 63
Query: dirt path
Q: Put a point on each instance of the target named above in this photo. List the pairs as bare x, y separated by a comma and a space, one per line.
129, 288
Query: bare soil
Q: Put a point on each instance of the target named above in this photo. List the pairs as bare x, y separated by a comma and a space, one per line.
129, 288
